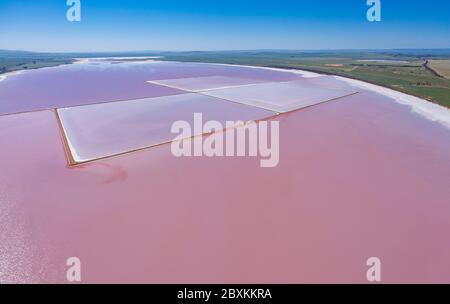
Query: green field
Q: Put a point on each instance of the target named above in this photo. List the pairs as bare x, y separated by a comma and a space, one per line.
17, 65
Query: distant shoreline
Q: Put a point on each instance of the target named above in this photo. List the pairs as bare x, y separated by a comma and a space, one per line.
285, 68
364, 80
5, 74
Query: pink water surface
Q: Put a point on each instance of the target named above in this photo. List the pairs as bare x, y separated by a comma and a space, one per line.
79, 84
358, 177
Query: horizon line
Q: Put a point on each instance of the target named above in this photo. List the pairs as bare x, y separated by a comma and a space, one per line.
229, 50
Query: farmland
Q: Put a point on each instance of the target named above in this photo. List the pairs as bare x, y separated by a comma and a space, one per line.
440, 67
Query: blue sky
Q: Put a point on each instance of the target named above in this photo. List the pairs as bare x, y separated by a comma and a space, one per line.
115, 25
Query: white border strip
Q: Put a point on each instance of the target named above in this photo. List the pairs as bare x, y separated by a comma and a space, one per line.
6, 75
424, 108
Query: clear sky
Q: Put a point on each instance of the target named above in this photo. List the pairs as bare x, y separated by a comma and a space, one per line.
132, 25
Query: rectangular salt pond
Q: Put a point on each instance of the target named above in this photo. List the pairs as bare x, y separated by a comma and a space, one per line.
108, 129
280, 97
199, 84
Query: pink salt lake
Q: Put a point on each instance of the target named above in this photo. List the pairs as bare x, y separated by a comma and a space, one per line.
359, 176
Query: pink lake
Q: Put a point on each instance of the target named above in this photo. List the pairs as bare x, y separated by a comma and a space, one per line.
360, 176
